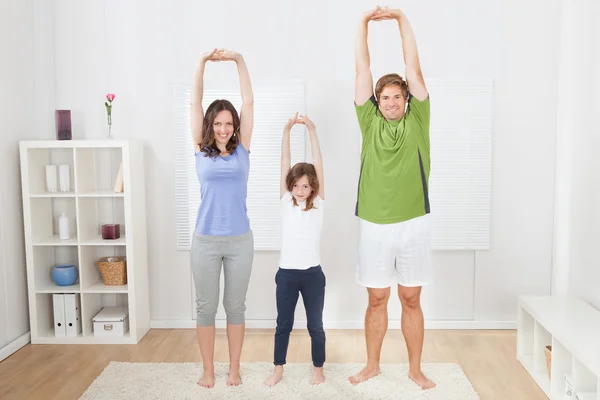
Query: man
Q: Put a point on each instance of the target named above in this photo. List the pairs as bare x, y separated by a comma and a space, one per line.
393, 201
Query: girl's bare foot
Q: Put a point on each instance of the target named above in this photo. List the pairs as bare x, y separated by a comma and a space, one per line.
276, 377
318, 376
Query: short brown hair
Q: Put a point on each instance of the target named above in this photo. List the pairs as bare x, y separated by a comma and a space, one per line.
207, 143
391, 80
298, 171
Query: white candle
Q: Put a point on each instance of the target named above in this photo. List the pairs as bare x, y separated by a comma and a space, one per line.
51, 178
64, 179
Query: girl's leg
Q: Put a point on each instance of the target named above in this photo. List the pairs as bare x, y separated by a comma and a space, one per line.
237, 265
287, 298
206, 263
313, 295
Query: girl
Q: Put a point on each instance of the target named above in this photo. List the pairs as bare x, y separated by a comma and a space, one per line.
302, 203
222, 236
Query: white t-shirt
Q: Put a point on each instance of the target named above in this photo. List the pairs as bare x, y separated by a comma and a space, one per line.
300, 233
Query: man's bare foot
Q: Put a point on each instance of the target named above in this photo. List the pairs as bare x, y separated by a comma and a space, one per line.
207, 380
234, 378
276, 377
318, 376
421, 380
367, 373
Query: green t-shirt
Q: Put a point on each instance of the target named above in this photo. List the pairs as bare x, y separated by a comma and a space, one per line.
395, 163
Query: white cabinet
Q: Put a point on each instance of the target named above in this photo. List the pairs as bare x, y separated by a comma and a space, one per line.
90, 203
571, 329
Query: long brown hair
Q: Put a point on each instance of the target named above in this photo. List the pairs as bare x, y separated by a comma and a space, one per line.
297, 172
207, 143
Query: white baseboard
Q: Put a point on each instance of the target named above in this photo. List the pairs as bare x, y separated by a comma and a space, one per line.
393, 324
14, 346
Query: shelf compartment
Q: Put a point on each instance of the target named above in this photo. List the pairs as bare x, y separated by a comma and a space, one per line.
525, 335
94, 302
97, 170
97, 211
45, 214
584, 380
92, 278
44, 315
562, 366
37, 161
45, 258
541, 339
45, 320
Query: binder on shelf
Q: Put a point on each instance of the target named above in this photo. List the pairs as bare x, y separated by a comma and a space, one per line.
72, 314
58, 301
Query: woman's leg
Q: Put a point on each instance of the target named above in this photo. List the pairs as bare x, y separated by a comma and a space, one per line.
206, 265
237, 265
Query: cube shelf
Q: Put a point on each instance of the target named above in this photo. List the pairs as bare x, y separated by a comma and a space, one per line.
90, 203
570, 329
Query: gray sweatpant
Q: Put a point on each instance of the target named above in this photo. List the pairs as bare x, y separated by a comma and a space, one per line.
235, 254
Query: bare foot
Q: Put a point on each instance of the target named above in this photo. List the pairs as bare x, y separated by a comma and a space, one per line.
367, 373
207, 380
421, 380
276, 377
318, 376
234, 378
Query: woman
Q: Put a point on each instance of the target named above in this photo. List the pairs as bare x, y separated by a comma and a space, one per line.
222, 236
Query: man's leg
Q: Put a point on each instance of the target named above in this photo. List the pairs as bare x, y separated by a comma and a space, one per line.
375, 271
376, 322
413, 329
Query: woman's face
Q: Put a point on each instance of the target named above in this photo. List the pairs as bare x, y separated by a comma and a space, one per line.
223, 127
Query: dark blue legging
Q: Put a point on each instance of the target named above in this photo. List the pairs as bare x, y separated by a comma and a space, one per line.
311, 284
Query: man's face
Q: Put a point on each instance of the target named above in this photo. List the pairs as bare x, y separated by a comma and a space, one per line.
392, 103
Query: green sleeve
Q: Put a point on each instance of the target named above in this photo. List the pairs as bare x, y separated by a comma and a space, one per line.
366, 114
419, 112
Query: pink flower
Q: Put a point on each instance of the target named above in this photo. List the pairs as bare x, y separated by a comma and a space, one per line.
110, 96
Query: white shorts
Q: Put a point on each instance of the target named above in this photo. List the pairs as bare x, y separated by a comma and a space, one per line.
401, 251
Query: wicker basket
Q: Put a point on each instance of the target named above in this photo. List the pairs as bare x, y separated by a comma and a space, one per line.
113, 270
548, 353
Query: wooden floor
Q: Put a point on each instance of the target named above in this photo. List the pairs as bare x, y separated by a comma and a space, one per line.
65, 371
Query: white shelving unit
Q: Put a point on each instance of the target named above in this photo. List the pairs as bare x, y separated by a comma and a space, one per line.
91, 203
572, 328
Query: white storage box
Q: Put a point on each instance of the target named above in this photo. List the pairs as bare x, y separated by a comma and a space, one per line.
111, 321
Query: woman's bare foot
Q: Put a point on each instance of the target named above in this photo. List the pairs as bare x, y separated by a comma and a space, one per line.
367, 373
207, 380
276, 377
234, 378
318, 376
420, 379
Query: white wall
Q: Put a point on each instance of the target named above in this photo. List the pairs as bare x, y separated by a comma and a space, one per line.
16, 101
577, 269
150, 45
16, 114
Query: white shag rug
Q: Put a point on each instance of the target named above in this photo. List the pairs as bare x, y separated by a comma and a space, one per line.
122, 380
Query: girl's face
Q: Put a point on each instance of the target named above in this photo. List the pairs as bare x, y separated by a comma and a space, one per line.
301, 189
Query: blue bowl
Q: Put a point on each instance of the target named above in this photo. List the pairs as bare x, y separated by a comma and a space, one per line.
64, 274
